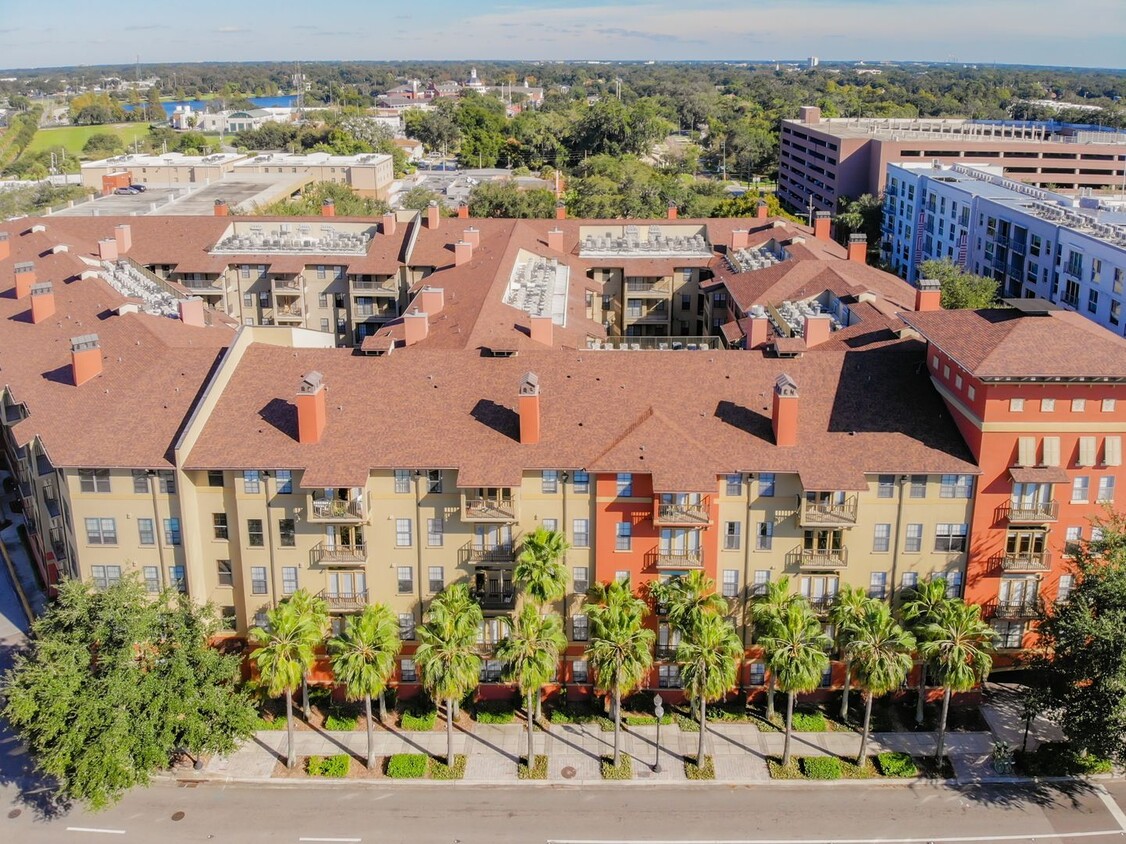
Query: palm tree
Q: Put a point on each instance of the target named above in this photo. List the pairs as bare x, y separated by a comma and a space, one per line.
621, 649
796, 653
316, 610
283, 656
447, 656
531, 655
924, 608
689, 599
880, 652
848, 605
708, 657
959, 645
364, 657
767, 611
540, 565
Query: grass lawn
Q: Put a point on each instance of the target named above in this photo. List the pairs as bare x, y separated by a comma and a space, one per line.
75, 137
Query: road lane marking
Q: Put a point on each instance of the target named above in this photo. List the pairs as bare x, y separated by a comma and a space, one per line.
95, 829
961, 839
349, 840
1112, 806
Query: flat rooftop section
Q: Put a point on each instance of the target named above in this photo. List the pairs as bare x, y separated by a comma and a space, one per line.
961, 129
644, 241
168, 159
312, 159
134, 205
242, 193
538, 286
302, 236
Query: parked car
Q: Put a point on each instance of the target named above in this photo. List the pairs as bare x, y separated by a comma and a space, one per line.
139, 188
129, 191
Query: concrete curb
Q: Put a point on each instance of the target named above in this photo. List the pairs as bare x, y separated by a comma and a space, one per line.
16, 582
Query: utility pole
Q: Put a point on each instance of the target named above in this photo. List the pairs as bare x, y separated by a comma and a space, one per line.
725, 159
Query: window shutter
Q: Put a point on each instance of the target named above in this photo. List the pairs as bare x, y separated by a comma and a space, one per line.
1026, 451
1051, 451
1112, 451
1087, 451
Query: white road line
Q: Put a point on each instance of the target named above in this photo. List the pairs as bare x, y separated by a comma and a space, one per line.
350, 840
95, 829
1111, 806
965, 839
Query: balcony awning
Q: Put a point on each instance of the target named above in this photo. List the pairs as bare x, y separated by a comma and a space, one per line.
1038, 475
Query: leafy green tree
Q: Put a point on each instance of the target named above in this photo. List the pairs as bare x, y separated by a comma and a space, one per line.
539, 566
154, 108
925, 605
849, 605
863, 215
508, 200
315, 609
960, 289
621, 649
530, 652
708, 656
880, 651
363, 659
419, 198
348, 203
114, 682
1082, 647
767, 611
960, 646
102, 143
796, 653
284, 656
447, 653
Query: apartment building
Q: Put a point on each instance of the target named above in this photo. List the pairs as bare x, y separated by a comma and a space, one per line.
822, 160
1037, 244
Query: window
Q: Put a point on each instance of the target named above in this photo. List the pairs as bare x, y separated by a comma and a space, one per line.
434, 480
910, 580
918, 486
549, 481
625, 485
251, 482
1073, 537
219, 525
258, 580
827, 676
406, 626
881, 541
580, 533
758, 674
93, 480
435, 532
579, 628
669, 676
145, 532
406, 579
105, 576
1092, 301
1080, 489
101, 532
407, 673
762, 580
731, 536
403, 533
491, 670
226, 573
140, 482
953, 584
878, 585
581, 580
287, 533
551, 525
1047, 405
254, 534
1067, 583
730, 583
579, 671
764, 536
288, 580
1108, 405
582, 481
402, 481
151, 576
284, 478
1105, 494
1016, 405
886, 487
167, 481
177, 579
1078, 405
734, 485
766, 484
1010, 634
436, 578
914, 542
950, 538
621, 576
624, 536
215, 477
956, 486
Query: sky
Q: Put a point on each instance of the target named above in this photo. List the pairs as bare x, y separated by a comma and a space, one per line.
1089, 33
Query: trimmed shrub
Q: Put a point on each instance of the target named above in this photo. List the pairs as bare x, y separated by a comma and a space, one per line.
269, 723
419, 720
645, 720
336, 721
693, 771
821, 767
809, 722
439, 770
538, 771
624, 771
1058, 759
495, 712
406, 766
333, 766
895, 764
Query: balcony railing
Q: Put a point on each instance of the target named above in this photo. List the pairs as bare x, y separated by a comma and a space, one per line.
1028, 608
499, 599
1036, 512
345, 601
390, 285
1027, 561
501, 508
808, 559
675, 559
204, 284
329, 554
682, 514
664, 651
287, 285
336, 510
289, 312
827, 513
475, 551
660, 312
647, 287
820, 603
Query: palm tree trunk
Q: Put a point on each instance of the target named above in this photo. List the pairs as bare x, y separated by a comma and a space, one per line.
371, 734
450, 731
539, 705
942, 725
844, 694
305, 698
291, 757
382, 707
864, 735
531, 727
789, 726
770, 698
922, 693
617, 724
703, 729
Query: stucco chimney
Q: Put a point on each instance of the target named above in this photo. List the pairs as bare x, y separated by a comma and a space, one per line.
928, 295
555, 240
784, 418
822, 225
463, 252
463, 210
433, 214
390, 222
312, 413
472, 236
416, 325
107, 249
85, 358
221, 209
672, 211
530, 409
759, 332
25, 278
191, 312
328, 208
809, 114
858, 248
542, 329
817, 330
42, 302
739, 239
5, 246
762, 210
431, 300
561, 210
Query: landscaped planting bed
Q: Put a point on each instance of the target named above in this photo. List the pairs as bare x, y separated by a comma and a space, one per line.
538, 771
1057, 759
623, 771
883, 766
494, 712
406, 766
437, 769
694, 771
418, 719
331, 766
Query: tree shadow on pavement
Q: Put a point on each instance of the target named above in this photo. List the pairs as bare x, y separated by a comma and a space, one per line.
1062, 793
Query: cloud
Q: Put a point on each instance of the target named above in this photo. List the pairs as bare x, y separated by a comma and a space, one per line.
146, 27
229, 30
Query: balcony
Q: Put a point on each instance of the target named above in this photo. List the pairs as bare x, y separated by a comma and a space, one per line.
489, 508
658, 313
475, 551
289, 313
386, 287
686, 513
1027, 561
664, 651
1028, 608
656, 287
809, 559
331, 554
820, 603
288, 285
675, 559
345, 601
827, 513
206, 285
493, 589
336, 510
1036, 512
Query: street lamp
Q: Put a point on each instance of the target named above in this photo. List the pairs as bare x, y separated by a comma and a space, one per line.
659, 711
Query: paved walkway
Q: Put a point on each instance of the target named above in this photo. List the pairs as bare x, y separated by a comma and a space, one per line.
28, 587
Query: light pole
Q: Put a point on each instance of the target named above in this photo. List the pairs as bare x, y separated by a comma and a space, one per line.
659, 711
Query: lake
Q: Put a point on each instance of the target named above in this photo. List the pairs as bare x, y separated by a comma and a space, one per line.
201, 105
